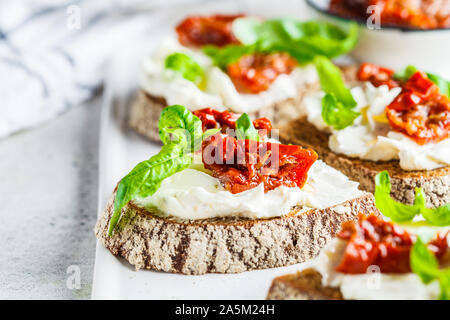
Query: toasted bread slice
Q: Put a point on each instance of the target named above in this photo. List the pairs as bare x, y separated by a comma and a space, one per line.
436, 183
304, 285
223, 245
146, 109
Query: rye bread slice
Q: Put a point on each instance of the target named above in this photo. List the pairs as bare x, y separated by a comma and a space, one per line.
224, 245
304, 285
146, 109
436, 183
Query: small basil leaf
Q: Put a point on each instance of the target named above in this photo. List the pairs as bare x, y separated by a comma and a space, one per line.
390, 208
146, 177
331, 81
443, 84
222, 57
423, 262
335, 114
437, 216
177, 123
444, 283
186, 66
245, 129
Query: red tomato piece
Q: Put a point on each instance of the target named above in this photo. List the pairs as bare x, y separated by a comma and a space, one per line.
256, 72
371, 241
226, 119
244, 164
215, 30
376, 75
420, 111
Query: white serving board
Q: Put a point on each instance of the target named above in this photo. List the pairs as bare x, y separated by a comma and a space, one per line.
121, 149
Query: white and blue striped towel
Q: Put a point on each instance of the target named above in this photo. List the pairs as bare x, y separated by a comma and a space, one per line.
53, 53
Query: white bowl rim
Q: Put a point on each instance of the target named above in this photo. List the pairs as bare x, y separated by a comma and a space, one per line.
361, 21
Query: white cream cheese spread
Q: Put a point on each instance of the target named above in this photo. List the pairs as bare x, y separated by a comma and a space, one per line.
371, 137
217, 89
195, 194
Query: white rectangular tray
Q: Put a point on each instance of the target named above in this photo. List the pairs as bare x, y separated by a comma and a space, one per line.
121, 149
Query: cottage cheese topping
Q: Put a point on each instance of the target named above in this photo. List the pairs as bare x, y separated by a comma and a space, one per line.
195, 194
371, 138
217, 90
373, 285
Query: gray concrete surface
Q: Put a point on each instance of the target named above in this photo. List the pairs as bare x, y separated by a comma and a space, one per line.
48, 193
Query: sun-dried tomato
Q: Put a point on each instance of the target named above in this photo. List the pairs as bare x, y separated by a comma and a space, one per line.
255, 72
420, 111
207, 30
226, 119
373, 241
244, 164
376, 75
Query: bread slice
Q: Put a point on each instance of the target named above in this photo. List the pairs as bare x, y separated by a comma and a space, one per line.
304, 285
226, 245
436, 183
146, 109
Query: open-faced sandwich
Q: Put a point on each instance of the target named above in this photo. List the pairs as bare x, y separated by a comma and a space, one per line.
374, 258
242, 63
399, 122
236, 201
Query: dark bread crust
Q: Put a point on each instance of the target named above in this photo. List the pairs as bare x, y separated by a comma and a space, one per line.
144, 115
436, 183
304, 285
224, 245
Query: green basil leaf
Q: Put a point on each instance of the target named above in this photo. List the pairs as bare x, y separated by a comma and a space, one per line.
443, 84
302, 40
335, 114
245, 129
146, 177
390, 208
185, 65
177, 123
444, 283
338, 102
313, 37
247, 30
331, 81
222, 57
400, 212
438, 216
423, 262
